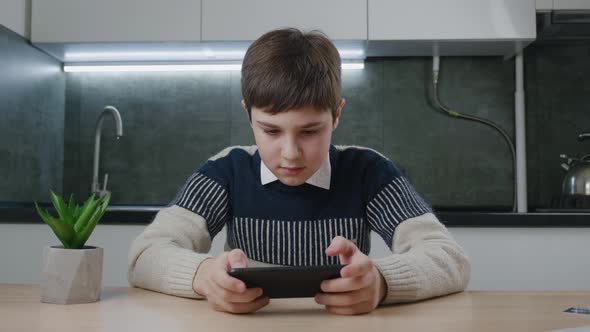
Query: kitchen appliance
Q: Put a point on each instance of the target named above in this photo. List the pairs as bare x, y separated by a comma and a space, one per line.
577, 179
575, 187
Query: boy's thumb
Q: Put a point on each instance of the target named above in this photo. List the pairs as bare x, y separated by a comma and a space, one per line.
237, 259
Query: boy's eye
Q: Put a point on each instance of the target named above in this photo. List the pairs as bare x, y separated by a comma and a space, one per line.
271, 131
309, 132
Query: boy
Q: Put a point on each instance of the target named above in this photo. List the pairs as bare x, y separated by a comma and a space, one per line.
295, 199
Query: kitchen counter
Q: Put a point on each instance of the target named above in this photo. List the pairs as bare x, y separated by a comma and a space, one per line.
144, 214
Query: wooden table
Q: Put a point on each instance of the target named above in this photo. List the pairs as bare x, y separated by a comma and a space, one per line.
132, 309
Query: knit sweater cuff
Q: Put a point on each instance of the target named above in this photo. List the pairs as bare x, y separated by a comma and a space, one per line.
183, 266
403, 282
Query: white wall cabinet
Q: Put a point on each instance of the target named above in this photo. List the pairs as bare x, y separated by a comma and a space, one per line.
451, 19
240, 20
544, 5
187, 30
571, 4
15, 15
452, 27
77, 21
548, 5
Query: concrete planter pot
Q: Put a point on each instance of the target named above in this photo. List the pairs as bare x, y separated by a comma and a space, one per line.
71, 276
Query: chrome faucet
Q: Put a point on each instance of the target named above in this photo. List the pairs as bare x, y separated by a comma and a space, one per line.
583, 136
119, 124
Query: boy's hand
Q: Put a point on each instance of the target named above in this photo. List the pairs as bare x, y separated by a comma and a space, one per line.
223, 292
361, 286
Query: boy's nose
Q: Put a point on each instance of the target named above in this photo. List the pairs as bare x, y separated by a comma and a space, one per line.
290, 150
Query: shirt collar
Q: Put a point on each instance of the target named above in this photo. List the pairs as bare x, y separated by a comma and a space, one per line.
321, 178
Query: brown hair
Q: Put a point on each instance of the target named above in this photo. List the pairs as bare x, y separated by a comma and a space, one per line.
288, 69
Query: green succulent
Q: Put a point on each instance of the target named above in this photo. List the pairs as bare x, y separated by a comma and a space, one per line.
75, 223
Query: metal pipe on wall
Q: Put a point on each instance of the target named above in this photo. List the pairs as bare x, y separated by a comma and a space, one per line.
520, 135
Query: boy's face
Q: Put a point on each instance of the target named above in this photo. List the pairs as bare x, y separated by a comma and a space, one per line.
293, 144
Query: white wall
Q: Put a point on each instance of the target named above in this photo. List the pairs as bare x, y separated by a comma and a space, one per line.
16, 16
502, 258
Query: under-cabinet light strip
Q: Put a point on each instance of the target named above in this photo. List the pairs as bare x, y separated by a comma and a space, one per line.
70, 68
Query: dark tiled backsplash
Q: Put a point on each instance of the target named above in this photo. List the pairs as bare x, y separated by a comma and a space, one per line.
32, 89
173, 122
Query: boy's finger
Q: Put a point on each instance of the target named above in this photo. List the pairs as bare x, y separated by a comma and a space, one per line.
226, 295
237, 259
342, 299
355, 309
224, 280
242, 308
340, 285
341, 246
357, 268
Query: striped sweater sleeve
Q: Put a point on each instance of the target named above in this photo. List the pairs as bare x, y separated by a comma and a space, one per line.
206, 197
425, 260
395, 202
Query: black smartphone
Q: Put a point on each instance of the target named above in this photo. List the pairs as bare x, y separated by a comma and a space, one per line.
287, 281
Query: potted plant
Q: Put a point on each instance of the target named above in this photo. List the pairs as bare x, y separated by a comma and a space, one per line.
72, 272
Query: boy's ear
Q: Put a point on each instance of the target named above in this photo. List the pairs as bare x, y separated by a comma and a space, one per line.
338, 113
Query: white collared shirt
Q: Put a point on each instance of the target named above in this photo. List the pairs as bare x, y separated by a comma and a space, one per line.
321, 178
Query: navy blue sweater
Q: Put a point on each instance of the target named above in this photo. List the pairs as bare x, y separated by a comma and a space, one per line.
293, 225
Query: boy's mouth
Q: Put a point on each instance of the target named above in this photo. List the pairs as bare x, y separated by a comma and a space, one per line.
291, 170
